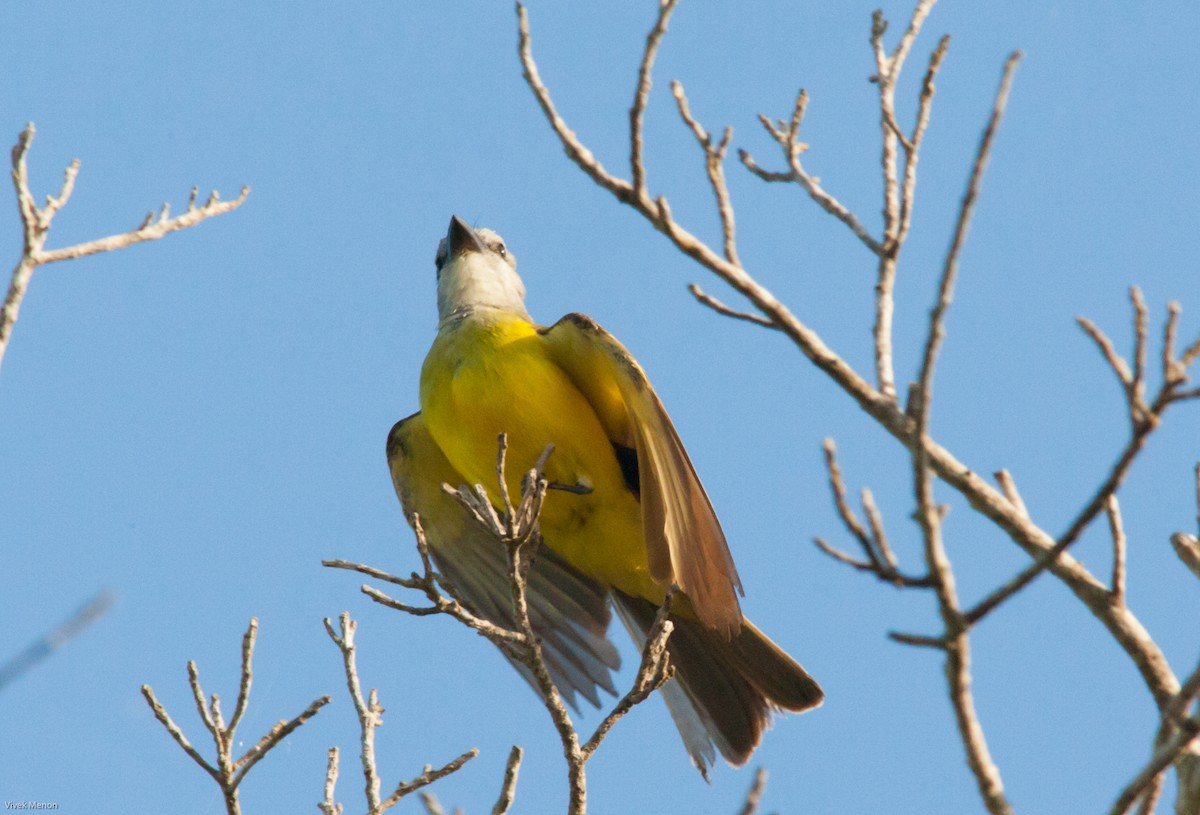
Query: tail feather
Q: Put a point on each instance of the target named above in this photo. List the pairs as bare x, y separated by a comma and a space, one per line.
724, 690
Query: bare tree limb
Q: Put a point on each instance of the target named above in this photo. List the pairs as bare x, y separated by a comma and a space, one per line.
36, 223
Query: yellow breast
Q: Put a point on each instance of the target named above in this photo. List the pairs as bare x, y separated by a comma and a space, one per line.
490, 373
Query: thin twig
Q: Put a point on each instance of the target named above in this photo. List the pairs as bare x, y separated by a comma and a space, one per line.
508, 791
427, 777
642, 95
1117, 530
788, 139
653, 672
755, 793
714, 164
328, 805
719, 307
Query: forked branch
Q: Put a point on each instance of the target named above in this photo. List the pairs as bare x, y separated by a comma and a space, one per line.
36, 223
228, 771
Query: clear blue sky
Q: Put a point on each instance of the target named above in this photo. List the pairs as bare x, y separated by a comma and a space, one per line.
196, 423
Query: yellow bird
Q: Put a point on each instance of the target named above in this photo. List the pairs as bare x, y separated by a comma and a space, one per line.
626, 514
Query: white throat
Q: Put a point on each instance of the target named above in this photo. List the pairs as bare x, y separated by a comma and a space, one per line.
477, 281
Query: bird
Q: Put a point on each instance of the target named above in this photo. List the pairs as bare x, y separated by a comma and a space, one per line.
625, 518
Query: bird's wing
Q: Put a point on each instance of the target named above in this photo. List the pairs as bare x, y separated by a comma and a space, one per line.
684, 541
569, 611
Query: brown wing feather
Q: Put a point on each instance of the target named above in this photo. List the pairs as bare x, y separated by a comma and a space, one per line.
684, 541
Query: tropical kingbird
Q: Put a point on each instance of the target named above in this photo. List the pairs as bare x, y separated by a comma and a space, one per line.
630, 518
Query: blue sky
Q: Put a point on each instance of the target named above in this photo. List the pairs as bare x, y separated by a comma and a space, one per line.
195, 423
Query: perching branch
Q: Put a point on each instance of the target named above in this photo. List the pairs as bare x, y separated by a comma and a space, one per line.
516, 528
37, 220
228, 772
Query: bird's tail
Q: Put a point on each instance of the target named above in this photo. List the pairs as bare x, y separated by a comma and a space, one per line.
725, 689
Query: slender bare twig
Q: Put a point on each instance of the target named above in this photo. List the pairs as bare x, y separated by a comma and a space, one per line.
881, 561
370, 717
1117, 530
716, 305
427, 777
755, 793
642, 95
1187, 547
508, 791
714, 164
229, 773
20, 663
37, 220
653, 672
328, 805
787, 135
1005, 480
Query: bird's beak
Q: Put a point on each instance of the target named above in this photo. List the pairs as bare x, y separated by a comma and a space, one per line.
461, 239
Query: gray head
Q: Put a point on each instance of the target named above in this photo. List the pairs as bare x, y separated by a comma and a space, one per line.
476, 271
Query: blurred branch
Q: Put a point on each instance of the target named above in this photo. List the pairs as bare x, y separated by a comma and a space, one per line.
35, 652
755, 793
36, 223
228, 772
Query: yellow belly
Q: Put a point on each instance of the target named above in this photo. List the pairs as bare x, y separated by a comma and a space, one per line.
488, 375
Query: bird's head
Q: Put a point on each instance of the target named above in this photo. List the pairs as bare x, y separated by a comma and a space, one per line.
476, 271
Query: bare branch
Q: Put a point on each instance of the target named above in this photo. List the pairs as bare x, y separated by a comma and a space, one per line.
1118, 537
227, 772
950, 267
1187, 547
792, 147
1115, 361
714, 162
427, 777
508, 791
1005, 480
719, 307
653, 672
642, 95
328, 805
36, 228
1124, 626
176, 733
880, 559
755, 793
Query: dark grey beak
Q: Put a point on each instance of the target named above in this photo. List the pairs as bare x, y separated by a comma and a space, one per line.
461, 239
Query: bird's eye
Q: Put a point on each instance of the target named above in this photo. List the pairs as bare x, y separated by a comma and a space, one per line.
501, 251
